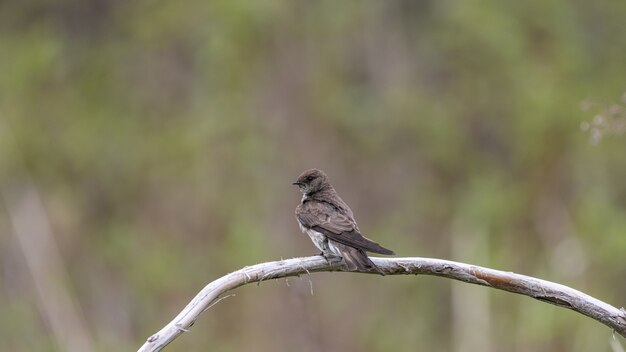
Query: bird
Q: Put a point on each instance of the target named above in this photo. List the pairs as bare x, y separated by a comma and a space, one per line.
330, 223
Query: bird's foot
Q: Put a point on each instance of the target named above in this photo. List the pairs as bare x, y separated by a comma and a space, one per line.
330, 258
326, 256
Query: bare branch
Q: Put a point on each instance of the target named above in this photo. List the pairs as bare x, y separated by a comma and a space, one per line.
542, 290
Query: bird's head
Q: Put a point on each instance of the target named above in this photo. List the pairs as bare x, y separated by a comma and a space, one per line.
312, 181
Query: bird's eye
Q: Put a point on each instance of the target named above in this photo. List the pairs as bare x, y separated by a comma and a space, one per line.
309, 178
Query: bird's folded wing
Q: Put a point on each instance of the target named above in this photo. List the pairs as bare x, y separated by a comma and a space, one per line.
336, 223
339, 228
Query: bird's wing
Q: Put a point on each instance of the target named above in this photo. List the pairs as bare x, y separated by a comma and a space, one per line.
312, 214
323, 218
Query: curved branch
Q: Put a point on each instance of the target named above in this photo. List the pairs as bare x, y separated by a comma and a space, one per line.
542, 290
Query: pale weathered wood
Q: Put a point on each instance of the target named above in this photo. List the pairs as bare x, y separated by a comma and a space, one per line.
542, 290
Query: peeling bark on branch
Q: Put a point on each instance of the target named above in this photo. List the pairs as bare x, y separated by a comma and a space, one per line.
542, 290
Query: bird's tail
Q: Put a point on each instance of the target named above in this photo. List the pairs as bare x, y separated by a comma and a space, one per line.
376, 248
356, 259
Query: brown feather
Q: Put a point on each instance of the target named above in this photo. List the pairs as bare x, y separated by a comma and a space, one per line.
323, 212
356, 258
323, 218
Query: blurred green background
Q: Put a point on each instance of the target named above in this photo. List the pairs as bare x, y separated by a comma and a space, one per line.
147, 148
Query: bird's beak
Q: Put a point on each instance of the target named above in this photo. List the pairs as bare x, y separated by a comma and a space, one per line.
296, 183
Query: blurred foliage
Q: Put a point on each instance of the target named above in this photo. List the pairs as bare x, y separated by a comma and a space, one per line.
163, 136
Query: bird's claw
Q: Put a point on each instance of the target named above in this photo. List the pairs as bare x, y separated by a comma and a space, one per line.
325, 256
330, 258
